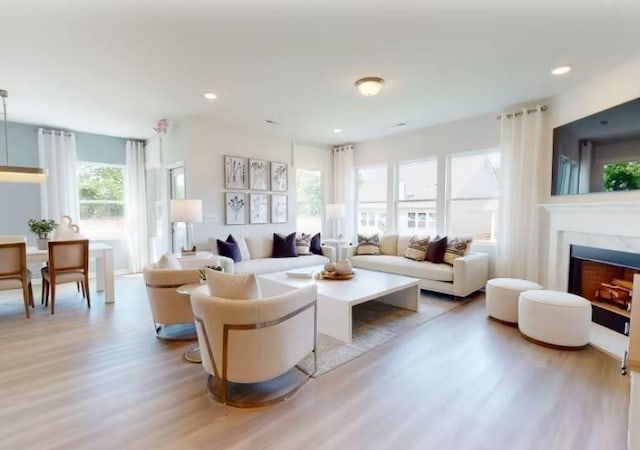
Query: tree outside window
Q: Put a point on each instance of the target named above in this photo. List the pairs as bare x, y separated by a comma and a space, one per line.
101, 198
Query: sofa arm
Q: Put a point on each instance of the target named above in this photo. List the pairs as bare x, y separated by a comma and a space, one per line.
208, 260
350, 251
470, 273
329, 251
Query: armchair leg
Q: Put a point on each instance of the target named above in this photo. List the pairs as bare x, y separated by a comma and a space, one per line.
52, 286
25, 297
85, 289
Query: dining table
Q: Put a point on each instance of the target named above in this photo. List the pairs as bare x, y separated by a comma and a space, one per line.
103, 256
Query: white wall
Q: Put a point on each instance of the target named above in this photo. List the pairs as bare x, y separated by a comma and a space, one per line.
208, 142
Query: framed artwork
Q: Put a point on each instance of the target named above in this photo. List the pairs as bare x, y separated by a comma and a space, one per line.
236, 208
258, 175
258, 208
235, 172
279, 176
279, 208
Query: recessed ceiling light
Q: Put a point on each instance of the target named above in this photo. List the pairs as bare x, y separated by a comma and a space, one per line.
272, 122
369, 86
210, 96
561, 70
337, 130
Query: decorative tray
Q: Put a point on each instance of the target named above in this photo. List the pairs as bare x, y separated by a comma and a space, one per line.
335, 276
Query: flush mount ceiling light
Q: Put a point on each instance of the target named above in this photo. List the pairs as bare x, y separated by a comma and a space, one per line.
16, 174
369, 86
561, 70
337, 130
210, 96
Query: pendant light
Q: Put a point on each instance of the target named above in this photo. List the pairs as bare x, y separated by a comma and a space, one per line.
15, 174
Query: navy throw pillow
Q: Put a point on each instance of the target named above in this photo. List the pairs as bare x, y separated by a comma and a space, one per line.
316, 244
436, 249
230, 250
284, 247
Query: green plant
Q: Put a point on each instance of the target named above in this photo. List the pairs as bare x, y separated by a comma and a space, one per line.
622, 176
42, 228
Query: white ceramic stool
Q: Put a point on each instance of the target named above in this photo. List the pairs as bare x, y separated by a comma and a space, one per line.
555, 319
502, 296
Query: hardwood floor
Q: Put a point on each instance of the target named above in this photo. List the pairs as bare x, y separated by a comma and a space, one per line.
100, 379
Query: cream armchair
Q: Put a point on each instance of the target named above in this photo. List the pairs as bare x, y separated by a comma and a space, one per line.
244, 342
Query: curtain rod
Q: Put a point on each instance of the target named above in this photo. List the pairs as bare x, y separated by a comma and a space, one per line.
68, 133
520, 113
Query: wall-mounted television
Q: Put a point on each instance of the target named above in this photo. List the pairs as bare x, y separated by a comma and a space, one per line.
598, 153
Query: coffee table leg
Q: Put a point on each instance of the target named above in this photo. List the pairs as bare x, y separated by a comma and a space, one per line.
193, 355
334, 318
407, 298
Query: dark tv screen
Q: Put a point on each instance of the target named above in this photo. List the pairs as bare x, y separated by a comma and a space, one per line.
598, 153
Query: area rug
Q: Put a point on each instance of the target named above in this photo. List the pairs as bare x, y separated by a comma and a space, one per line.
375, 323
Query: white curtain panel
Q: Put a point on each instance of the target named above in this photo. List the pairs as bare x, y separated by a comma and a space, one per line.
522, 141
59, 193
136, 206
344, 183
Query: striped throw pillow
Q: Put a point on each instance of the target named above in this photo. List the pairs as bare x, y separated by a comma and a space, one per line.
368, 245
417, 249
457, 248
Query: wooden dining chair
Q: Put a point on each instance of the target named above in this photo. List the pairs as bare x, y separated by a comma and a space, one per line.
14, 273
68, 263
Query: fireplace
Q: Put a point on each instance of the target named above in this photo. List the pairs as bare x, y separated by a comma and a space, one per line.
604, 277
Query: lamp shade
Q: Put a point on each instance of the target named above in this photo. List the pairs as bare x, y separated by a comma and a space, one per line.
335, 210
189, 211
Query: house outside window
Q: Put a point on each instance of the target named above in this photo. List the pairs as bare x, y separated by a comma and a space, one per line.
417, 189
372, 200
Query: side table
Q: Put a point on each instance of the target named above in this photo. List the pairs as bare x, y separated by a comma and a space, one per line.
193, 354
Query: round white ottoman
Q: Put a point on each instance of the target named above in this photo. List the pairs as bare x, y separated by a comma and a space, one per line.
502, 298
555, 319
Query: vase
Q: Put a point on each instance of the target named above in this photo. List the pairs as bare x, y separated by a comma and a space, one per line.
344, 267
42, 244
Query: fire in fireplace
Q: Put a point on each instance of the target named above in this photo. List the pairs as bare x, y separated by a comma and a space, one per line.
605, 277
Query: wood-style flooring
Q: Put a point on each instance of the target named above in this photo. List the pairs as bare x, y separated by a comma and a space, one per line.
99, 379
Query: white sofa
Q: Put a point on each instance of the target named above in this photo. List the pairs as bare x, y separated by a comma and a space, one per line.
259, 260
467, 275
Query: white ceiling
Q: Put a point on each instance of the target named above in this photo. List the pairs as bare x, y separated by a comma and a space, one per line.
116, 66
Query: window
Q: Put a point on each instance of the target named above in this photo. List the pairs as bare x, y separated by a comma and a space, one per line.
417, 193
372, 200
101, 196
475, 188
309, 200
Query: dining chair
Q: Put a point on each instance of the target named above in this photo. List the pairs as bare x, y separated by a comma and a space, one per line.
14, 273
68, 263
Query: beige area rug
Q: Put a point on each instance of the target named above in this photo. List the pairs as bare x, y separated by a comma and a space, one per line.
375, 323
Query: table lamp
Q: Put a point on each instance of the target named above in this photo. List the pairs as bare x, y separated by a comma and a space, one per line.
188, 212
335, 212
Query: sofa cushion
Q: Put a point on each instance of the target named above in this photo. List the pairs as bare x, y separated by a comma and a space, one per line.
284, 246
403, 266
316, 244
417, 249
303, 244
232, 286
229, 249
389, 244
270, 265
457, 248
242, 245
403, 243
436, 249
368, 245
260, 246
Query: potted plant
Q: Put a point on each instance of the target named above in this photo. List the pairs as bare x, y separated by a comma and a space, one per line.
42, 228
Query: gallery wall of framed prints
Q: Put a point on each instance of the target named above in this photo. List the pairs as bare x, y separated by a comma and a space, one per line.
256, 191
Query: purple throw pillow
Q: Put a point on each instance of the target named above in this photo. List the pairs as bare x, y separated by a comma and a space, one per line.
436, 249
316, 244
284, 247
229, 249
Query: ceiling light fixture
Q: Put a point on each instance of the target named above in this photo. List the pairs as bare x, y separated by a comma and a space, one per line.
561, 70
16, 174
272, 122
337, 130
369, 86
210, 96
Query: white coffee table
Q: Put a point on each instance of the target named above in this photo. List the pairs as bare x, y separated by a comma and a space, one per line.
336, 298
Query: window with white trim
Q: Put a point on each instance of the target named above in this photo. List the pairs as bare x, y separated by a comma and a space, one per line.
372, 200
102, 200
417, 193
473, 196
308, 200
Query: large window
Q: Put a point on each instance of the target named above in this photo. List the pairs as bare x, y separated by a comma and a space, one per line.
473, 200
101, 195
417, 193
308, 200
372, 200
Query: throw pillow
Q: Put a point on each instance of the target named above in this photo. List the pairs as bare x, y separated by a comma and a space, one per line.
284, 247
232, 286
417, 249
437, 247
240, 241
230, 250
457, 248
368, 245
303, 244
316, 244
168, 261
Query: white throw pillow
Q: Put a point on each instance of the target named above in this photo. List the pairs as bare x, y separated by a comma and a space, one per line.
168, 261
242, 245
303, 244
232, 286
